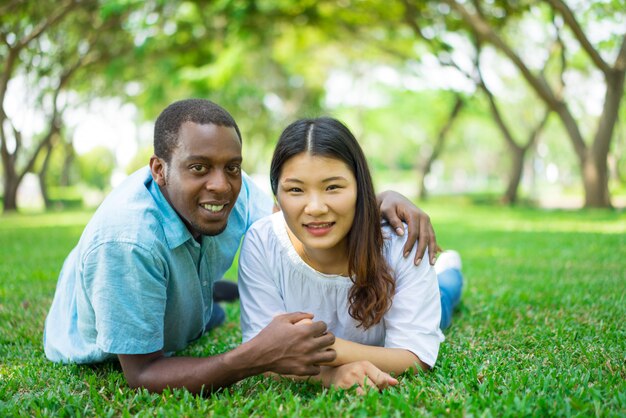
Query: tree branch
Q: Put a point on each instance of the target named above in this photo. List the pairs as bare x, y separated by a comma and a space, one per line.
495, 111
620, 61
51, 20
5, 9
570, 20
484, 33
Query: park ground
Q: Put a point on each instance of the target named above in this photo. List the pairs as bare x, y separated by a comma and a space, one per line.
540, 331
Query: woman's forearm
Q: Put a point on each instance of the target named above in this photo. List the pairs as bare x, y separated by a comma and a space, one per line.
390, 360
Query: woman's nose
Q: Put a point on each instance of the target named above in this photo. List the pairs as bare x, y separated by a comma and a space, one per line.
316, 206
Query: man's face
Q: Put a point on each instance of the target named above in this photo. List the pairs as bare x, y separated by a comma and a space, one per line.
203, 178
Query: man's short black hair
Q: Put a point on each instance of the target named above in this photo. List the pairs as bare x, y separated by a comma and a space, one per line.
200, 111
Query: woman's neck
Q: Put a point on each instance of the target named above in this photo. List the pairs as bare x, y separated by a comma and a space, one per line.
327, 261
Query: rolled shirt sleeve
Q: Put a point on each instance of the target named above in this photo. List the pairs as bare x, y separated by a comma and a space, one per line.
124, 287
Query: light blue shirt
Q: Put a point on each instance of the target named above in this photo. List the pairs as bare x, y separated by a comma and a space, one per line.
137, 282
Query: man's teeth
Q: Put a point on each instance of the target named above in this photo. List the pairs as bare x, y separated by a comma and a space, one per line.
213, 208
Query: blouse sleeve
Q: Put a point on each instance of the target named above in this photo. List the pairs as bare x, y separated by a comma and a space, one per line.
259, 293
412, 323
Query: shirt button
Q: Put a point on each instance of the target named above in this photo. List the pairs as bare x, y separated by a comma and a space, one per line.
205, 283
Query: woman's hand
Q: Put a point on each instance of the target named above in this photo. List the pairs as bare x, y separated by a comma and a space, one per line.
396, 208
362, 374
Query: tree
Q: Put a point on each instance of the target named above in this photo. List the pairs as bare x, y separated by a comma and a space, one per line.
46, 46
96, 167
592, 158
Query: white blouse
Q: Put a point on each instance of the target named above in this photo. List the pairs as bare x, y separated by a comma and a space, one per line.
273, 279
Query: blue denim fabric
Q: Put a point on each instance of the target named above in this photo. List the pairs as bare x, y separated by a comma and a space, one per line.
218, 316
450, 286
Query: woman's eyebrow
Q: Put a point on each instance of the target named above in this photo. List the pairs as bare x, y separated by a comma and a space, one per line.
292, 180
326, 180
334, 178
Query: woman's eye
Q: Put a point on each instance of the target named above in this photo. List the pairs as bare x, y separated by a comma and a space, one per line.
295, 190
333, 187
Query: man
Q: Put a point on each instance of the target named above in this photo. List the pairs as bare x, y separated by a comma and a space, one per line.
138, 286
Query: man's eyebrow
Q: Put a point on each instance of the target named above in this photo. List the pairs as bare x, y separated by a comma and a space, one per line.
205, 158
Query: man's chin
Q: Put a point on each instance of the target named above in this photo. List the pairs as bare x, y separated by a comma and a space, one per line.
213, 230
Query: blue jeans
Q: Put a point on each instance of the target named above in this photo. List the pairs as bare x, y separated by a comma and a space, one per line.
450, 285
217, 317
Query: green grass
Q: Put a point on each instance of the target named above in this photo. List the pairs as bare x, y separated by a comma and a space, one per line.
540, 330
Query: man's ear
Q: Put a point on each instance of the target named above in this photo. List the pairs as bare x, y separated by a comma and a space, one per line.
158, 167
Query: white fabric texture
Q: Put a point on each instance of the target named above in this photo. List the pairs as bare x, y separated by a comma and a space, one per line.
273, 279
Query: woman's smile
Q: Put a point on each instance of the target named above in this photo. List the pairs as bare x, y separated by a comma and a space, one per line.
319, 229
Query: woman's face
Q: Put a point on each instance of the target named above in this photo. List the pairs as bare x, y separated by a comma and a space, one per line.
318, 198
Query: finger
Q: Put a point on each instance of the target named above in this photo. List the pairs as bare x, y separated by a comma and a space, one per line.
383, 380
317, 329
395, 222
309, 370
379, 378
324, 357
305, 321
433, 248
413, 225
324, 340
423, 242
368, 383
294, 317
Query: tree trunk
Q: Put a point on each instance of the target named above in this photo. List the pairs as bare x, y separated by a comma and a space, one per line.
596, 182
43, 173
11, 184
518, 155
426, 165
68, 161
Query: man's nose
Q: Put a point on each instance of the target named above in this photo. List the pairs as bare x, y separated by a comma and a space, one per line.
217, 182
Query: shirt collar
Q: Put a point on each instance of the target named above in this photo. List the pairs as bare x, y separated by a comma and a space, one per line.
176, 233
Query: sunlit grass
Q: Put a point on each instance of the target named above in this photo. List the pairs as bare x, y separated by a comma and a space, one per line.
540, 330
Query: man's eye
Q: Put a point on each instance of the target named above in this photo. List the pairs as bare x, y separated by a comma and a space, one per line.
234, 169
198, 168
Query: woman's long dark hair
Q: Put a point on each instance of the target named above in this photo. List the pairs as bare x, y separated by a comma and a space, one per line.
370, 296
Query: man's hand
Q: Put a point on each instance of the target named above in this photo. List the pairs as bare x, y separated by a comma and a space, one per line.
362, 374
293, 344
396, 208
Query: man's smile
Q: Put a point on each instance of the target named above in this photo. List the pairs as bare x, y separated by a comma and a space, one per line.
213, 207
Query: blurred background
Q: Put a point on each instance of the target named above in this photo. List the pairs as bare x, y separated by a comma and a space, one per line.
506, 102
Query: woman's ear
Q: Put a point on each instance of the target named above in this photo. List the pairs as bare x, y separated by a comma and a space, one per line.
158, 168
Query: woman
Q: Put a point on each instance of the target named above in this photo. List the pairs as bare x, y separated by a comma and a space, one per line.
326, 253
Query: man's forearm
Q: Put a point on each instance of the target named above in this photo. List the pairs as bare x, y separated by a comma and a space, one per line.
281, 347
202, 374
390, 360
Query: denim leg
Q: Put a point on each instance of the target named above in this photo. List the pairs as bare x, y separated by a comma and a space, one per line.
450, 286
217, 317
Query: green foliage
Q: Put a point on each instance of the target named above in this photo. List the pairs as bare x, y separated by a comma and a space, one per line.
141, 159
96, 167
539, 332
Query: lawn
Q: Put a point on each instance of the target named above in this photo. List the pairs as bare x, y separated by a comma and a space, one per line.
540, 330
